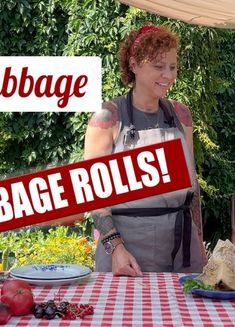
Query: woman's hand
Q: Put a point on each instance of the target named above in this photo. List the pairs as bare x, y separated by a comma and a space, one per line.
123, 263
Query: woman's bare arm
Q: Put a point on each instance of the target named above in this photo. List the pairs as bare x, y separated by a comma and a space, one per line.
101, 132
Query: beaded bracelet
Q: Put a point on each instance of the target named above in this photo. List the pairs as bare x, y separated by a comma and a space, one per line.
110, 237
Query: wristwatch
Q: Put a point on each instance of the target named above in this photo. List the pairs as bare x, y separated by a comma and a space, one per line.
110, 246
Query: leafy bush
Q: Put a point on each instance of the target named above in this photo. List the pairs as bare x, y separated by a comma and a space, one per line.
57, 245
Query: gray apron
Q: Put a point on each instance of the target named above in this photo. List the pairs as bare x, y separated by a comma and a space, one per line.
167, 241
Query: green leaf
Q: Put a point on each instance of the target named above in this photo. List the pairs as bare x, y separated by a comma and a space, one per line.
195, 283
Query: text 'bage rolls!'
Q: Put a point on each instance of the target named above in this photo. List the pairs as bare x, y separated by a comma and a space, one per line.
92, 184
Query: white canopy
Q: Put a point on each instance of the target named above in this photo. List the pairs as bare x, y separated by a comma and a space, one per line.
215, 13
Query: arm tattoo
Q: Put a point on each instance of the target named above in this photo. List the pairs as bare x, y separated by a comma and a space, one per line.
106, 118
196, 210
183, 114
103, 220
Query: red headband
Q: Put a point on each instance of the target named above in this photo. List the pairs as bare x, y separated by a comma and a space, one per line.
142, 31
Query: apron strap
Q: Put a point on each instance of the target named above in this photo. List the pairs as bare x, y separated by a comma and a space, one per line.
183, 225
130, 113
170, 114
166, 107
144, 212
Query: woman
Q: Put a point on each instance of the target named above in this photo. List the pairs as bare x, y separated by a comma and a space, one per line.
152, 241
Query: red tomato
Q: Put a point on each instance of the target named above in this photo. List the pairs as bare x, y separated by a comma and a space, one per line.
13, 284
20, 301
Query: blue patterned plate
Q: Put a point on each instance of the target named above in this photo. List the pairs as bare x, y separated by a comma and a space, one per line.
213, 294
50, 271
54, 282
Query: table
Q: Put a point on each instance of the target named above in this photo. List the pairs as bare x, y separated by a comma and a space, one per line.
156, 299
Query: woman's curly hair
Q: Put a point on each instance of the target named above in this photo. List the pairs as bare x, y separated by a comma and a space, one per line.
149, 47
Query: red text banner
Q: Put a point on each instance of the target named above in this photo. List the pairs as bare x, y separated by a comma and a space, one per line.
92, 184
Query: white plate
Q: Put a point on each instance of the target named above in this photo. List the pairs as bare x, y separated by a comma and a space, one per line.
50, 271
51, 282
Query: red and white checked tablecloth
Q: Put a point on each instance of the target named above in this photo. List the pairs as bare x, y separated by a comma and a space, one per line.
156, 299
